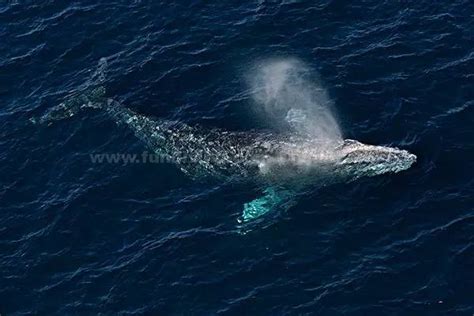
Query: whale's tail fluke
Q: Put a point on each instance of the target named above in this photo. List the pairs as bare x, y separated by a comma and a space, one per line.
90, 95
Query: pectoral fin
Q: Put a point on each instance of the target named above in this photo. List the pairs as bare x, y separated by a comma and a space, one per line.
272, 199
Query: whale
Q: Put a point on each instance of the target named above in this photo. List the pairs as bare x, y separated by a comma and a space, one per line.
282, 164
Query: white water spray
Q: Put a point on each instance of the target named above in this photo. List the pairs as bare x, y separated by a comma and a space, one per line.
288, 95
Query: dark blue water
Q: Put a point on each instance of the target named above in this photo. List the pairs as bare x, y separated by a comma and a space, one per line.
78, 238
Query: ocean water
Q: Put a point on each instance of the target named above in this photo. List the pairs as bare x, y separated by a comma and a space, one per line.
84, 238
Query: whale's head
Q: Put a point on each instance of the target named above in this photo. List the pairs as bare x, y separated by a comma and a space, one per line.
361, 159
310, 161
